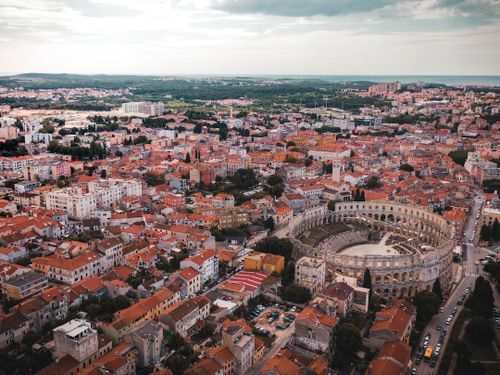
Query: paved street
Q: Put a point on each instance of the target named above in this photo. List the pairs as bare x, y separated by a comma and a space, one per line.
470, 272
277, 345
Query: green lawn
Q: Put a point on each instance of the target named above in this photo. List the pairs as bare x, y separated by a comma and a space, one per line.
318, 234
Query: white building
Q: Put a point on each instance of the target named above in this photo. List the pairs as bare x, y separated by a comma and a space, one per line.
148, 108
310, 273
76, 338
206, 263
112, 248
101, 194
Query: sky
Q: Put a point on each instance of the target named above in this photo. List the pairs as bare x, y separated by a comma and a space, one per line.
235, 37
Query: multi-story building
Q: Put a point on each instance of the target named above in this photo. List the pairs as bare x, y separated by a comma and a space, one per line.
186, 317
310, 273
46, 171
206, 263
25, 285
242, 344
264, 262
314, 330
76, 338
232, 217
147, 108
394, 323
70, 270
192, 278
148, 339
112, 249
101, 194
336, 298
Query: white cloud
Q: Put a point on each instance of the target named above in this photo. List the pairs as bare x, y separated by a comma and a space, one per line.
190, 36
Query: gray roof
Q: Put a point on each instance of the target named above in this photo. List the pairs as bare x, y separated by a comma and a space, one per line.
25, 278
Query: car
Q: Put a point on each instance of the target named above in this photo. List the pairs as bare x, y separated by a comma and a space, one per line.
467, 290
433, 362
441, 309
413, 371
441, 340
294, 308
447, 322
280, 326
270, 320
439, 327
476, 263
418, 361
454, 311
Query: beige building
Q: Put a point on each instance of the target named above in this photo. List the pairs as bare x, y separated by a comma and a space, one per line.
78, 339
310, 273
148, 340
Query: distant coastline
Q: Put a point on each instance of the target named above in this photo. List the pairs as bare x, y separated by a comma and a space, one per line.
456, 80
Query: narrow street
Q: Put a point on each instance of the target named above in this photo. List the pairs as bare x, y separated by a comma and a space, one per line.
470, 272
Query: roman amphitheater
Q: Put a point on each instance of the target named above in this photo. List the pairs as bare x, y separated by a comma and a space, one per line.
405, 247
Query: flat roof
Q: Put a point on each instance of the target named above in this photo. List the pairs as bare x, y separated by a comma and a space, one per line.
25, 278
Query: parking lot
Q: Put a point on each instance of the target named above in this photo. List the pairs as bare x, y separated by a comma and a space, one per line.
276, 320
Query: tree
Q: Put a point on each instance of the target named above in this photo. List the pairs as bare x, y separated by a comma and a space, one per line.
331, 205
362, 197
118, 154
481, 301
406, 167
373, 183
480, 331
269, 223
297, 294
427, 304
495, 231
103, 173
459, 156
274, 180
288, 274
347, 344
197, 128
436, 289
367, 282
485, 234
187, 158
276, 246
176, 341
290, 144
177, 363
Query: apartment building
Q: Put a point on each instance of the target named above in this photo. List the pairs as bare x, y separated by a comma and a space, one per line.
112, 249
101, 194
76, 338
241, 344
25, 285
147, 108
148, 339
310, 273
192, 278
187, 317
46, 171
70, 270
206, 263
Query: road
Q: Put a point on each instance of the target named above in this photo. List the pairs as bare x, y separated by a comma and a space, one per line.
470, 273
277, 345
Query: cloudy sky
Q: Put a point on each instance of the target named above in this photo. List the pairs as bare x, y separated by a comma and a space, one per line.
251, 36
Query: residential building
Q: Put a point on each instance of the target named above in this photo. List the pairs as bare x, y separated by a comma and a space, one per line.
206, 263
148, 339
310, 273
264, 262
24, 285
76, 338
187, 317
314, 330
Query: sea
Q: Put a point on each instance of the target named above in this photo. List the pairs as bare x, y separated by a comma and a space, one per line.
486, 80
